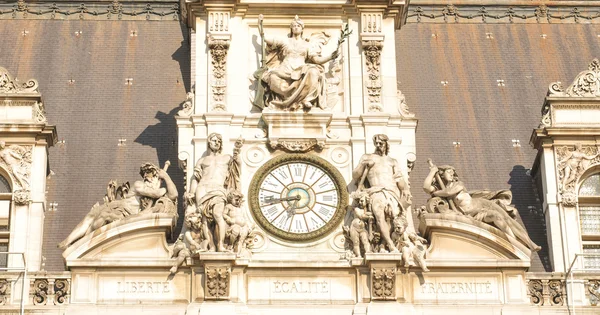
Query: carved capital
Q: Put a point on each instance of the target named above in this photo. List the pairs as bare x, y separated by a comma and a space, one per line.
22, 197
383, 283
372, 49
216, 285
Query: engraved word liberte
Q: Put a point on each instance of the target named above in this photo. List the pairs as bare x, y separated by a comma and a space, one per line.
143, 287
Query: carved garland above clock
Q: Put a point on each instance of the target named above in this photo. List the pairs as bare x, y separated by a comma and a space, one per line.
298, 197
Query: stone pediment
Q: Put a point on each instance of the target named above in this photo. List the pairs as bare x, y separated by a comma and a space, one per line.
135, 241
457, 240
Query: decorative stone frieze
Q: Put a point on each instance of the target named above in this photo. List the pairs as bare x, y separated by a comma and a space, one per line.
216, 285
218, 51
560, 14
4, 291
383, 283
372, 49
115, 10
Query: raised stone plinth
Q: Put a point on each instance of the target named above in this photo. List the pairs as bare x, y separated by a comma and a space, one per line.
297, 131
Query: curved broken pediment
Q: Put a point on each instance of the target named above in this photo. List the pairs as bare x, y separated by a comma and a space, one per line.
134, 241
458, 240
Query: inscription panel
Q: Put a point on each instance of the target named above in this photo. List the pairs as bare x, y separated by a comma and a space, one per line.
480, 289
148, 288
326, 289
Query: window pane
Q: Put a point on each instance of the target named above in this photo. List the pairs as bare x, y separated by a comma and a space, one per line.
590, 220
3, 257
591, 186
591, 262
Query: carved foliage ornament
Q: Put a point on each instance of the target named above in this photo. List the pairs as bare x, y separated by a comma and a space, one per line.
217, 282
383, 283
298, 146
8, 84
586, 84
218, 51
372, 49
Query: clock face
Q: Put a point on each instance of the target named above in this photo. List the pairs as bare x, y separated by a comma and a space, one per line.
298, 197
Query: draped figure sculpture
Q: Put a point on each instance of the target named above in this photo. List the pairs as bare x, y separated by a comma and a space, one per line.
487, 207
293, 76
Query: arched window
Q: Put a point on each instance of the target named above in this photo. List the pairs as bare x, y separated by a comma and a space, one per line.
589, 216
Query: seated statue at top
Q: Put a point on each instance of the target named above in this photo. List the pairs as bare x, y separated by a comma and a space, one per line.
146, 196
450, 196
292, 73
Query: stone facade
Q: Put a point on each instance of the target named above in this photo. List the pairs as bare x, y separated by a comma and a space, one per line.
296, 149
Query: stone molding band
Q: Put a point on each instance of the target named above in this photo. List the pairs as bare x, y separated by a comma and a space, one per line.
503, 14
112, 11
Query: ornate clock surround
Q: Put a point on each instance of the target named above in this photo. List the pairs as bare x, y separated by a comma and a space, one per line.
265, 170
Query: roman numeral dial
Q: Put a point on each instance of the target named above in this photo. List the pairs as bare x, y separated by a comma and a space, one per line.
298, 197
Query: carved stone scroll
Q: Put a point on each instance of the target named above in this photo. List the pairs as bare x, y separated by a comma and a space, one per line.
383, 283
218, 52
557, 292
8, 84
372, 49
61, 291
40, 292
216, 286
586, 84
536, 291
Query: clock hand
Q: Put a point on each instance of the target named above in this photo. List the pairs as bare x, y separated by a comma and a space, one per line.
270, 200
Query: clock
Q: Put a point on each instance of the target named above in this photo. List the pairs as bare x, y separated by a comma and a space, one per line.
298, 197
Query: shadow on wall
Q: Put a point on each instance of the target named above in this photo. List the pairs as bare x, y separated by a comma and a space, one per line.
528, 204
162, 136
182, 56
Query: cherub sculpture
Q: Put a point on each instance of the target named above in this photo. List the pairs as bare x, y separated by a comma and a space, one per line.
411, 245
360, 231
180, 253
239, 228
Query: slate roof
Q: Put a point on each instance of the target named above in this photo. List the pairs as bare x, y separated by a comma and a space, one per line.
82, 79
97, 109
474, 110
